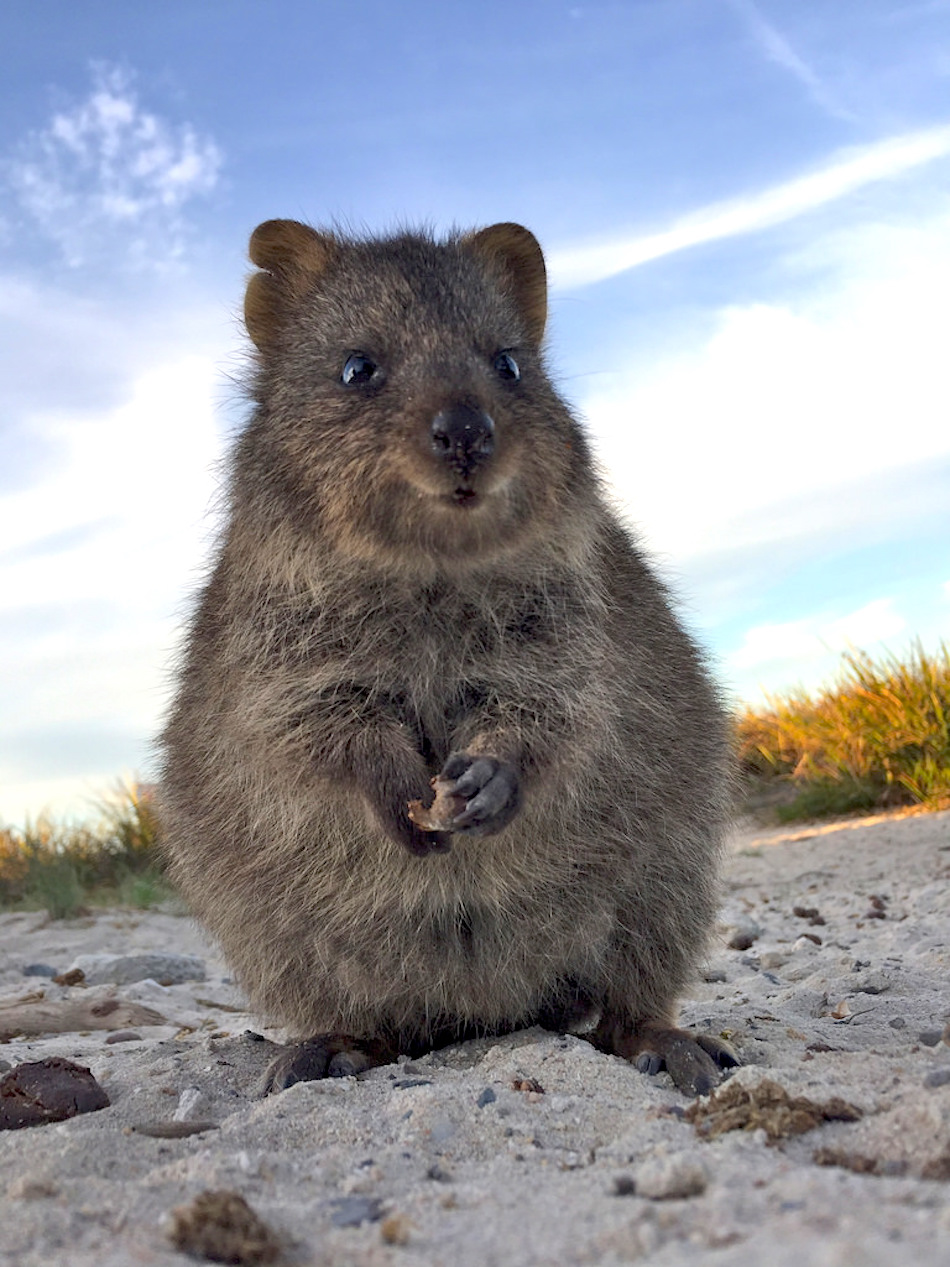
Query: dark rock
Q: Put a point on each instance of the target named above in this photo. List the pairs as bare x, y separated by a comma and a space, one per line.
51, 1090
352, 1211
39, 970
740, 941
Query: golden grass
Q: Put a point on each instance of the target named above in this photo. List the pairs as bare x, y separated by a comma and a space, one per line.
63, 866
877, 737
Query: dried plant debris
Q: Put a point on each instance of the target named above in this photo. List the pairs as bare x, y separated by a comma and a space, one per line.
768, 1105
220, 1226
173, 1130
35, 1014
443, 811
396, 1230
860, 1163
530, 1085
51, 1090
72, 976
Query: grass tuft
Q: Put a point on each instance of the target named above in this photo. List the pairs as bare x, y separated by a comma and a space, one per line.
65, 867
877, 738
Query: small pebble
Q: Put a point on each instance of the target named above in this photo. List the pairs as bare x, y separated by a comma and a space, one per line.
395, 1230
352, 1211
740, 941
192, 1103
39, 970
487, 1097
671, 1178
874, 983
897, 1022
29, 1188
937, 1078
166, 969
624, 1186
930, 1037
123, 1036
744, 932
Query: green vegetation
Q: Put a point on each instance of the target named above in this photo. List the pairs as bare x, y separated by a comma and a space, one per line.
877, 738
64, 868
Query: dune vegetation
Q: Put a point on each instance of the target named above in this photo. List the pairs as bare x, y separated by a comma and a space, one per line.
876, 738
64, 866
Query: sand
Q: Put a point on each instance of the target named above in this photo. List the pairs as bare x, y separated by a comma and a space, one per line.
535, 1149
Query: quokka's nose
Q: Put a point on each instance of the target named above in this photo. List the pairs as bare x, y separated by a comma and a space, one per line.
463, 436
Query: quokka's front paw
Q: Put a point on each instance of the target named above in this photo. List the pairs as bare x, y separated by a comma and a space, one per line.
475, 796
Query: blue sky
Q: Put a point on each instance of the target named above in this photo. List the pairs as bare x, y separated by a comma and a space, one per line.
745, 207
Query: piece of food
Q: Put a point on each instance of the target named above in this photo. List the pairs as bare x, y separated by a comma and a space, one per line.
443, 811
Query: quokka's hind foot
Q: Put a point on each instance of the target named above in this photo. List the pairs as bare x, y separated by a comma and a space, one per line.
694, 1061
324, 1056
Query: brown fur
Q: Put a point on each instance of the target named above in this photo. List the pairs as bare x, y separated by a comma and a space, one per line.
361, 624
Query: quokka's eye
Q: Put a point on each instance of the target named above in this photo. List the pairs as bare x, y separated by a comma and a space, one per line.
358, 370
507, 367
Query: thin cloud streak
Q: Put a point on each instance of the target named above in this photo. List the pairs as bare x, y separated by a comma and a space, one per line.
885, 160
779, 51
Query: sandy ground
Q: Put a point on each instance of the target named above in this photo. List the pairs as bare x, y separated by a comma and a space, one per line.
449, 1161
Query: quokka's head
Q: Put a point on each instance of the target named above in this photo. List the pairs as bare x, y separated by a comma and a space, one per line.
404, 411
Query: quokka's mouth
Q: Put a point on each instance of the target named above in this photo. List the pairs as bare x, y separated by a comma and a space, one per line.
463, 496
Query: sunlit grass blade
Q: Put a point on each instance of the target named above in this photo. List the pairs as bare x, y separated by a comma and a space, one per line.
877, 737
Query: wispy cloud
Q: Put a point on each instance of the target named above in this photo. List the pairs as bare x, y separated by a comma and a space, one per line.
93, 561
814, 412
849, 171
109, 173
778, 50
812, 638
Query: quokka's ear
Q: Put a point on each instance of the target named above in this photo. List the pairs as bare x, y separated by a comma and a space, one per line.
291, 255
515, 252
